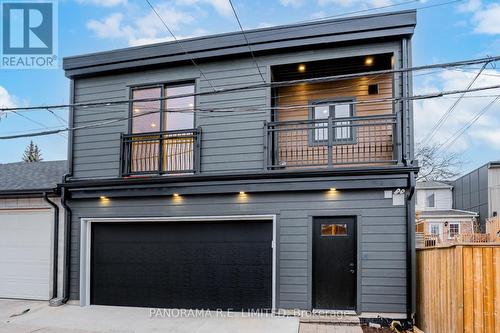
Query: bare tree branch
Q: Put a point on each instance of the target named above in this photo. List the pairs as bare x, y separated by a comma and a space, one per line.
435, 165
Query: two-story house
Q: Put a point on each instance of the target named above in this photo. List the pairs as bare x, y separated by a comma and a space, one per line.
435, 215
479, 191
280, 181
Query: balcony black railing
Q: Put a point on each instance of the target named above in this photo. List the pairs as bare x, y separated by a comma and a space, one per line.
329, 143
161, 153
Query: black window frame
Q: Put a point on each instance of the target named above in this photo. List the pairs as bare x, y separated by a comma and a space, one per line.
331, 113
163, 86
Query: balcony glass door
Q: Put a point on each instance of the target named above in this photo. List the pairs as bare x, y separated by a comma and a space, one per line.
146, 120
178, 148
162, 130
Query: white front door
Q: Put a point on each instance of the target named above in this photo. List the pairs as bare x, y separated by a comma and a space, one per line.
25, 250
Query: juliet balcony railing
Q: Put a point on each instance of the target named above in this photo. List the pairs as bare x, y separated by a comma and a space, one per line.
161, 153
330, 143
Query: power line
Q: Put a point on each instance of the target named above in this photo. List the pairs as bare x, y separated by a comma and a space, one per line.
36, 122
360, 11
381, 7
415, 97
325, 20
445, 116
180, 44
246, 40
447, 144
266, 85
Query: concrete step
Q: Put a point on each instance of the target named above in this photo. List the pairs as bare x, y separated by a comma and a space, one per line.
333, 319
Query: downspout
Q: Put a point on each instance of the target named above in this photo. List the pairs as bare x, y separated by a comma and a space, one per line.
67, 228
55, 253
67, 209
410, 251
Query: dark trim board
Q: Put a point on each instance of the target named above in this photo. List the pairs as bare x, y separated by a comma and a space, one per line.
183, 265
334, 265
266, 40
358, 220
87, 254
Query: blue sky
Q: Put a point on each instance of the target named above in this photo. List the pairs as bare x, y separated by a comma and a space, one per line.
468, 29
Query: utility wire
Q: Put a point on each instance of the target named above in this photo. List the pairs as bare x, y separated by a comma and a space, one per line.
415, 97
180, 44
447, 144
36, 122
325, 20
246, 40
381, 7
266, 85
446, 115
360, 11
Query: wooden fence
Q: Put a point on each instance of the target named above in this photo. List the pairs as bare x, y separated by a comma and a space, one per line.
458, 289
493, 228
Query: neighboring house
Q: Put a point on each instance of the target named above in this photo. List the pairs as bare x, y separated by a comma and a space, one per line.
479, 191
287, 197
28, 198
435, 216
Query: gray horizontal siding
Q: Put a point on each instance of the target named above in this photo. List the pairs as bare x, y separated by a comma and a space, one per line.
383, 259
231, 141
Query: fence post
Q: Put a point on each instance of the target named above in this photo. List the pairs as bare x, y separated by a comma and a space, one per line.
459, 291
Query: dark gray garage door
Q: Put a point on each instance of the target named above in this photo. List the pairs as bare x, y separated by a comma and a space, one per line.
193, 265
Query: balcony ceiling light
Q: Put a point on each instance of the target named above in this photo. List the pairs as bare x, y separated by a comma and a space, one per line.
369, 61
302, 68
137, 110
153, 125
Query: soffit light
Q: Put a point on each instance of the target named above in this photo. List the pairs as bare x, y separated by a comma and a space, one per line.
301, 68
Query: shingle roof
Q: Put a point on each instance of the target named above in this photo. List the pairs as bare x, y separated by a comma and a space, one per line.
447, 212
433, 184
31, 176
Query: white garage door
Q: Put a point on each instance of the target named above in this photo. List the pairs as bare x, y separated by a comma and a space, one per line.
25, 247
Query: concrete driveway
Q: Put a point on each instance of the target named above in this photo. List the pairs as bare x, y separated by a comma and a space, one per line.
75, 319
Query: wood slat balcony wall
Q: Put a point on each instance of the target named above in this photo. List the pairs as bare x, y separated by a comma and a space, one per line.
169, 153
373, 139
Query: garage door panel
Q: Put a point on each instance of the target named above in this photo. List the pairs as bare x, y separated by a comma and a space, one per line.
182, 265
25, 244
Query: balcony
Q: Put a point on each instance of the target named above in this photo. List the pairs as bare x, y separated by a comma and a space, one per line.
161, 153
331, 143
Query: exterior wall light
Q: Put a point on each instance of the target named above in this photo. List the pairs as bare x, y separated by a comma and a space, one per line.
333, 189
102, 197
242, 193
175, 194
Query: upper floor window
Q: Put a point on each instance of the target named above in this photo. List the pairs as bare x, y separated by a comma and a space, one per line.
157, 115
342, 130
431, 201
